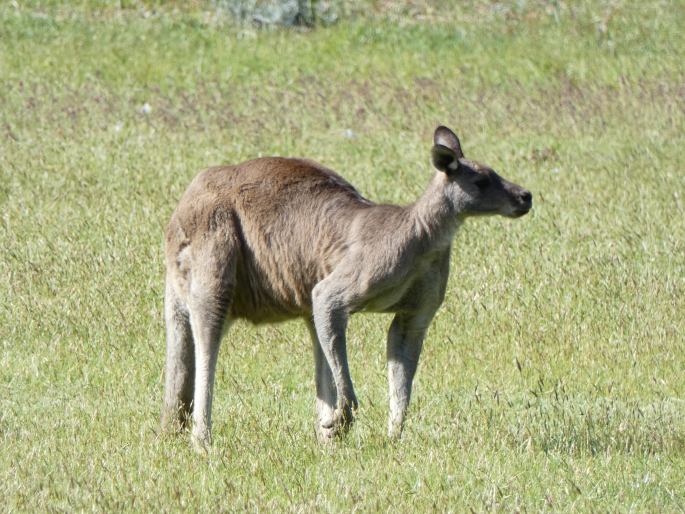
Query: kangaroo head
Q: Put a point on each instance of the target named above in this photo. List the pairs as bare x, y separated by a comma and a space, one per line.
472, 187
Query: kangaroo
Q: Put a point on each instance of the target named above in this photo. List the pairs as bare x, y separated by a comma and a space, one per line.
273, 239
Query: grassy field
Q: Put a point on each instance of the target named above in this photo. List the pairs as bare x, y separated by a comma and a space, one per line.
553, 378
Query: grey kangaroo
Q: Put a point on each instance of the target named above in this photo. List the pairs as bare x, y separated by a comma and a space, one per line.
274, 239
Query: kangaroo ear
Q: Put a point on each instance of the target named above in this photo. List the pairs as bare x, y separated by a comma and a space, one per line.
445, 137
444, 159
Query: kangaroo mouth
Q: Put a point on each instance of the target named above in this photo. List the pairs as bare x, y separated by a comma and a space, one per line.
520, 212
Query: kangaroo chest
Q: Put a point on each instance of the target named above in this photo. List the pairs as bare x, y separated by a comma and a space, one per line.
423, 283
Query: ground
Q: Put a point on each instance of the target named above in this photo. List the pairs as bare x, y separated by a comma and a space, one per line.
552, 378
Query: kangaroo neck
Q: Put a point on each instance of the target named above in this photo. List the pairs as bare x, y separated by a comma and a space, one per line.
435, 216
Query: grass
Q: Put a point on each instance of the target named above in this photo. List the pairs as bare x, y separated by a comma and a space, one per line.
552, 378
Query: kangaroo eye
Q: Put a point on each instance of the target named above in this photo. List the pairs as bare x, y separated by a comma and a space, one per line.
482, 183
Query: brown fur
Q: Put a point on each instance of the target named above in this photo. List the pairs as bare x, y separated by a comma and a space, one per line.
278, 215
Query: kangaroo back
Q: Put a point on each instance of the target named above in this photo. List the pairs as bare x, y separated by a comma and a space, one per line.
285, 220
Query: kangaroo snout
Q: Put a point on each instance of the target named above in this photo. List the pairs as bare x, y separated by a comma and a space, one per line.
523, 201
526, 198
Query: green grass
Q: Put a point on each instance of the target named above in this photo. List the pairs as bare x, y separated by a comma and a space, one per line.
552, 378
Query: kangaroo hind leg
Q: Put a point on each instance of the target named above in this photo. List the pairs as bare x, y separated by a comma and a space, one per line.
212, 284
180, 363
